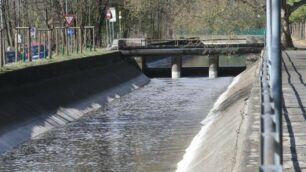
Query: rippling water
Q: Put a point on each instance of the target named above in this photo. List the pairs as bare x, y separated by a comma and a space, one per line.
147, 130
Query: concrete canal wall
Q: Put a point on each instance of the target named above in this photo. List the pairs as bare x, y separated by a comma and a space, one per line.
223, 141
36, 99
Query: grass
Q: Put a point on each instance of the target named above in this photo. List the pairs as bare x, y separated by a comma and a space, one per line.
55, 58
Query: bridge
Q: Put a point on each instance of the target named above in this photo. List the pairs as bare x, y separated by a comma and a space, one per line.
176, 48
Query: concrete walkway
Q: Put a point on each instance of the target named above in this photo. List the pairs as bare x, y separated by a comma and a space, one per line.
294, 116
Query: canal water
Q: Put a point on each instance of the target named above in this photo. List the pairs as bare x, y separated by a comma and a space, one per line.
145, 131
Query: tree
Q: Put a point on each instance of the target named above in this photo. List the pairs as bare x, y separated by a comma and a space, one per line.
288, 7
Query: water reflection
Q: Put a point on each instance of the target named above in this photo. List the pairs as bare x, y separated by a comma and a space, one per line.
147, 130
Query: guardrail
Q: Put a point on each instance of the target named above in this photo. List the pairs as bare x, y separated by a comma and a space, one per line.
271, 93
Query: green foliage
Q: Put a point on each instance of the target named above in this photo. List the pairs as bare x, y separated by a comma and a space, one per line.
298, 15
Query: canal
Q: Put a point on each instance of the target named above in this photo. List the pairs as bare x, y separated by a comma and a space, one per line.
147, 130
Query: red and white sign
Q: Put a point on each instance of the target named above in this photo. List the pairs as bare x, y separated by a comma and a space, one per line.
108, 14
69, 19
114, 16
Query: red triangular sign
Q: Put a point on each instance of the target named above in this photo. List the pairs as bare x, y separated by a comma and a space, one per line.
108, 15
69, 20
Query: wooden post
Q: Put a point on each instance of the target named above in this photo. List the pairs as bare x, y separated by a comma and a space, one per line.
74, 40
56, 42
85, 38
39, 41
50, 43
29, 45
1, 48
62, 40
16, 45
93, 39
80, 41
45, 42
66, 36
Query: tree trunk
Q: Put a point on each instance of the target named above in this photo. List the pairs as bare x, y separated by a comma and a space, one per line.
286, 39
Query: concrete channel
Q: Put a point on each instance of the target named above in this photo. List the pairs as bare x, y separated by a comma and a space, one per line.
39, 102
37, 99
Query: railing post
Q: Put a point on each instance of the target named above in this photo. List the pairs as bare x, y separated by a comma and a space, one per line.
276, 75
271, 127
268, 32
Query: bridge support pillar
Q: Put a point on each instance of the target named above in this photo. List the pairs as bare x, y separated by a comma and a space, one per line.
176, 67
141, 61
213, 66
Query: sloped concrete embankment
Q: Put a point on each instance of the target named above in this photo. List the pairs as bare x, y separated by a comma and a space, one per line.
222, 142
37, 99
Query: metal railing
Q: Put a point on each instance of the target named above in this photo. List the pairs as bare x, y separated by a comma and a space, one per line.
271, 93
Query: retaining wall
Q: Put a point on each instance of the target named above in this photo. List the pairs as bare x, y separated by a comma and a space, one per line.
37, 99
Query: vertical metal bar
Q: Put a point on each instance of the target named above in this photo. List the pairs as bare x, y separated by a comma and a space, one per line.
276, 79
268, 32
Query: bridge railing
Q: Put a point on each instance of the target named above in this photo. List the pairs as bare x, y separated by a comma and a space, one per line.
187, 43
271, 93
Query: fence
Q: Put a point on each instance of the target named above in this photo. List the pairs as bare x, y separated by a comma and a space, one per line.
32, 44
298, 30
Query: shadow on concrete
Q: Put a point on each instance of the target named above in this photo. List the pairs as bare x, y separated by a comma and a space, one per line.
294, 156
300, 102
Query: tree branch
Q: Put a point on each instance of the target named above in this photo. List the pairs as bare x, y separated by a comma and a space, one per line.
296, 5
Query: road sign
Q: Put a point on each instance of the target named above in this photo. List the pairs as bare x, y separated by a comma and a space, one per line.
70, 32
114, 16
33, 32
19, 38
108, 14
69, 19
